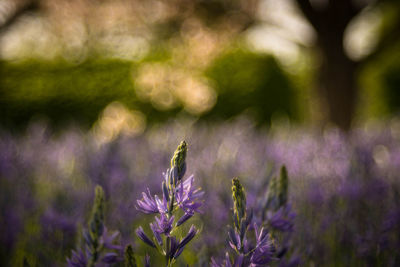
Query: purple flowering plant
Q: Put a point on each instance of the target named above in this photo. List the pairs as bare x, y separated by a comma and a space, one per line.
177, 194
343, 208
276, 214
260, 237
99, 246
258, 251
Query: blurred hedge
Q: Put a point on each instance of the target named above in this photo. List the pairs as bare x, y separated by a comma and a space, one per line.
391, 82
63, 92
251, 82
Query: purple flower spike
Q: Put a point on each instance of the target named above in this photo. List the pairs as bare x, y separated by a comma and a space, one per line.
176, 193
141, 234
147, 204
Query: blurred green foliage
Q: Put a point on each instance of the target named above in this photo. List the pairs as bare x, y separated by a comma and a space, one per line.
380, 86
63, 92
391, 83
246, 81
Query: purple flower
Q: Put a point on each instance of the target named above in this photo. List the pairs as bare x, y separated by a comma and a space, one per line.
141, 234
264, 250
190, 235
239, 261
163, 224
107, 240
187, 197
78, 259
234, 239
156, 234
227, 260
215, 262
147, 204
292, 262
184, 218
282, 219
173, 247
162, 206
147, 260
174, 250
110, 258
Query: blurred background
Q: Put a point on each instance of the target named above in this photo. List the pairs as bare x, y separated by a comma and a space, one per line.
122, 65
102, 92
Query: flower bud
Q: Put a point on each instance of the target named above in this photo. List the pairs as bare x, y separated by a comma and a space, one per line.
277, 191
96, 224
283, 187
96, 221
178, 164
129, 257
239, 202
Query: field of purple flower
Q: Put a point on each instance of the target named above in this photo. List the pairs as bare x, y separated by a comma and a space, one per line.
71, 200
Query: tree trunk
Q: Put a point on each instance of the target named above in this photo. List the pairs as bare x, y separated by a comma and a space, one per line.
336, 77
336, 80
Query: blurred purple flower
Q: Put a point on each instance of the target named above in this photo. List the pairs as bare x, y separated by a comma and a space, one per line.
282, 220
78, 259
147, 261
264, 250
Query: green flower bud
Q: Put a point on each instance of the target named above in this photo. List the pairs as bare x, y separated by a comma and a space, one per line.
277, 193
97, 218
96, 224
283, 186
129, 257
178, 163
239, 202
272, 201
25, 263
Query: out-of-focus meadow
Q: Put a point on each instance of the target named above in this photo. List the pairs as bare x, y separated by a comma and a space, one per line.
101, 92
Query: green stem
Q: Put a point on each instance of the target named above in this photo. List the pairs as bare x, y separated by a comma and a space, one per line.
171, 205
167, 248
